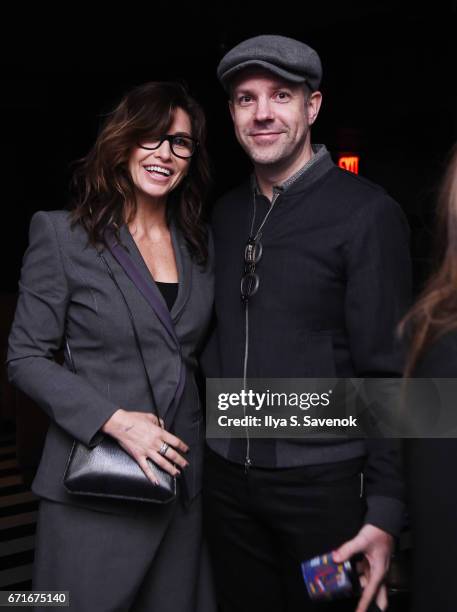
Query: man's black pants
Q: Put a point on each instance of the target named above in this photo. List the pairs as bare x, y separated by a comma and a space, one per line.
262, 524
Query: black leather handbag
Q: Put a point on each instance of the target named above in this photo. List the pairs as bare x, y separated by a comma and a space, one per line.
106, 470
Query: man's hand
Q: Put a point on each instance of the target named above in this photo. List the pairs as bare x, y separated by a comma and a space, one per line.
376, 546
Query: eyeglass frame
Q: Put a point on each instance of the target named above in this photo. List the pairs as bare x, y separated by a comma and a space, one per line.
169, 138
251, 259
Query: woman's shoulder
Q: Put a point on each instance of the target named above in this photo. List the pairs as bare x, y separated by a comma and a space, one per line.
60, 219
440, 358
58, 222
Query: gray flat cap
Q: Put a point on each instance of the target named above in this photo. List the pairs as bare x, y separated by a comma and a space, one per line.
290, 59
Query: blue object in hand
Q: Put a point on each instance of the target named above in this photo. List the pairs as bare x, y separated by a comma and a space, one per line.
325, 579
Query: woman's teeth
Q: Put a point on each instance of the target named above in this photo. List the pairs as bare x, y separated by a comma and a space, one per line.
159, 169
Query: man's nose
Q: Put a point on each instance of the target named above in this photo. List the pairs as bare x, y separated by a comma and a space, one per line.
264, 109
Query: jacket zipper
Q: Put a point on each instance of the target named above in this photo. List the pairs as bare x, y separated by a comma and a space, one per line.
248, 460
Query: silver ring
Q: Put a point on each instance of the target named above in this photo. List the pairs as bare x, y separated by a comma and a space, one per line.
163, 449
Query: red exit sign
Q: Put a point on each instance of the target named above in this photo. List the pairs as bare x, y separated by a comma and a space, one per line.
349, 162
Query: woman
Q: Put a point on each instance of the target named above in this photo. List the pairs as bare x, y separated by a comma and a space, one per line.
143, 183
430, 462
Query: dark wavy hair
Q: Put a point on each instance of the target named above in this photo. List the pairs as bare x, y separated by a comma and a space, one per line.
103, 195
435, 312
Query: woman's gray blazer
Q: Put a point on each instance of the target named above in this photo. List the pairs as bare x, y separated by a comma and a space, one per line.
65, 291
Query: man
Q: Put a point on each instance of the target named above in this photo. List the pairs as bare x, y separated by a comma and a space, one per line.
322, 256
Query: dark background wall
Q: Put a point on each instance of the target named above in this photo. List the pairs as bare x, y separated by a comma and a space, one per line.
390, 80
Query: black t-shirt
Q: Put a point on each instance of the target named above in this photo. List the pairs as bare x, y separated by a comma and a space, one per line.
169, 292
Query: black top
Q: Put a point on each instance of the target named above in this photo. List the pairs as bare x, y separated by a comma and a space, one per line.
169, 292
432, 493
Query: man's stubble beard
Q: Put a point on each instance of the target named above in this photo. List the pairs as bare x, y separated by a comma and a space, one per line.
267, 155
279, 157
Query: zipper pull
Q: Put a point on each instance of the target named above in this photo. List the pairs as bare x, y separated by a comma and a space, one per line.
247, 464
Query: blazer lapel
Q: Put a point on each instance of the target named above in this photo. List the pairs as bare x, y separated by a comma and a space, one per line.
136, 270
184, 272
182, 262
146, 288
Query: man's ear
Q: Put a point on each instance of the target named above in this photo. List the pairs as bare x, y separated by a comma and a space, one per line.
231, 109
313, 106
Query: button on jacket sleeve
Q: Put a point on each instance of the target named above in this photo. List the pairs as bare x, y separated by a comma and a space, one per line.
38, 333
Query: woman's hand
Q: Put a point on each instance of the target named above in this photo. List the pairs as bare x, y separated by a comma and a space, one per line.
141, 436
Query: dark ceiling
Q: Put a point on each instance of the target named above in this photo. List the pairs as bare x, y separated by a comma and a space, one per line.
390, 79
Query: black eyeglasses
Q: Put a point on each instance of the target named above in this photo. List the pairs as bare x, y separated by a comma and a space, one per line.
181, 146
250, 280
